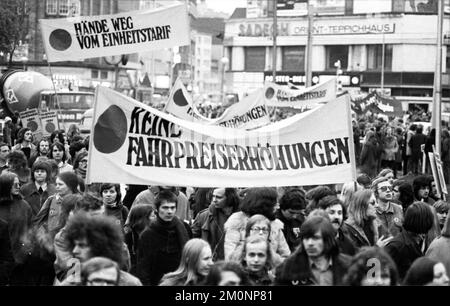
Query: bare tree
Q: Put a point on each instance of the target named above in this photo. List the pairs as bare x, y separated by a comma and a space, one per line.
14, 15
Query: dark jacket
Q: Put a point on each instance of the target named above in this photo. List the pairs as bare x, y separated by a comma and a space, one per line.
6, 257
296, 271
159, 250
291, 230
357, 235
404, 250
209, 225
346, 245
119, 212
416, 141
370, 154
32, 196
17, 213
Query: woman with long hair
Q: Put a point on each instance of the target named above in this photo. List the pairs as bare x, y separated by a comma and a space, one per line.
361, 223
370, 154
347, 192
16, 212
195, 264
59, 155
80, 165
139, 219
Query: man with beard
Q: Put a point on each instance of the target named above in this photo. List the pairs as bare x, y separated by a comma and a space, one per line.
421, 186
389, 215
24, 143
43, 148
209, 223
317, 261
337, 213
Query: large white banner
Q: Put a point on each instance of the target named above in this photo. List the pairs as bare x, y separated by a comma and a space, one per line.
310, 97
250, 113
133, 143
78, 38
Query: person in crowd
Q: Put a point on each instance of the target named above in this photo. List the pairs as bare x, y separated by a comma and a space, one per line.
390, 148
439, 249
58, 136
425, 271
40, 188
42, 150
146, 196
421, 186
226, 273
409, 244
256, 258
160, 245
434, 192
256, 201
139, 219
405, 194
445, 154
6, 256
195, 264
361, 271
314, 195
17, 163
387, 173
58, 153
111, 197
348, 189
361, 224
25, 142
395, 191
76, 148
417, 141
317, 261
16, 212
370, 154
441, 208
96, 236
80, 165
292, 213
209, 223
408, 163
8, 131
131, 193
73, 132
4, 151
100, 271
364, 180
55, 170
201, 200
401, 144
389, 215
337, 213
429, 143
49, 215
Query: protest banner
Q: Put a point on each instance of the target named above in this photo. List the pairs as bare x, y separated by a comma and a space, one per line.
30, 119
138, 144
377, 104
249, 113
180, 104
310, 97
433, 165
49, 121
81, 37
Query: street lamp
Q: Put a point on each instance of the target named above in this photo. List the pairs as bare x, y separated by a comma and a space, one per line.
224, 61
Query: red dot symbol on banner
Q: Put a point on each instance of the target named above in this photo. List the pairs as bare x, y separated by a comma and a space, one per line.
110, 131
270, 92
60, 40
179, 98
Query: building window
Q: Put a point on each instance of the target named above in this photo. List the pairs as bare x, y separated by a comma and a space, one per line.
375, 57
255, 58
96, 7
52, 7
94, 74
293, 58
106, 7
75, 8
63, 7
335, 53
103, 75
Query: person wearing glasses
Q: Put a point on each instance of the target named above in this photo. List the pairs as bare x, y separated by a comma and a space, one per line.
292, 214
389, 215
100, 271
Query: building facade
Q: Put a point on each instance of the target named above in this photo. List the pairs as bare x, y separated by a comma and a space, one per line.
354, 33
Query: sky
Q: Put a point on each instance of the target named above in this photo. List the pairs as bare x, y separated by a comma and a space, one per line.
226, 6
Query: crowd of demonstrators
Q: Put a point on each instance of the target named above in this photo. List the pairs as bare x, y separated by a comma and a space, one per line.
57, 230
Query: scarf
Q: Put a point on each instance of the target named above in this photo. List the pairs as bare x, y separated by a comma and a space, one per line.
174, 227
